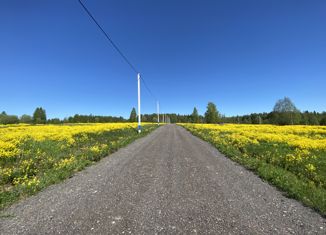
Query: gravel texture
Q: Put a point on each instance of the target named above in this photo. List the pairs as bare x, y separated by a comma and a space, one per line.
168, 182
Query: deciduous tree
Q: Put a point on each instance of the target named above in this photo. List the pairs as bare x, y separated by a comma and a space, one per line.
39, 116
286, 112
26, 119
211, 115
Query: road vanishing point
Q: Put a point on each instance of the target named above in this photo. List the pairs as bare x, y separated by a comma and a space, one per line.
169, 182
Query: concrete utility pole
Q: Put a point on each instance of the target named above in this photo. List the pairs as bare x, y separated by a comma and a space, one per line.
158, 112
139, 115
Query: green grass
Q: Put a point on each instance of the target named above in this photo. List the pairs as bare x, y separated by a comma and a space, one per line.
310, 190
42, 158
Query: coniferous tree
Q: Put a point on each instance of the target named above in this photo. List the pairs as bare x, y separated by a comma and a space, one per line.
133, 115
195, 116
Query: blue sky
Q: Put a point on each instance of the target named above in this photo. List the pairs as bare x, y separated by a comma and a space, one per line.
241, 55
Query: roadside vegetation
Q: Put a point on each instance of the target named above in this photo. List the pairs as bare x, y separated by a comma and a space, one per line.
291, 153
293, 158
33, 157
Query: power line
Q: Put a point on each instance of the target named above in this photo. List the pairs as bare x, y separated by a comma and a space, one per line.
117, 48
149, 90
109, 38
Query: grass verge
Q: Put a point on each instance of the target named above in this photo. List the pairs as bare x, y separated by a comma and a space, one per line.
49, 161
294, 186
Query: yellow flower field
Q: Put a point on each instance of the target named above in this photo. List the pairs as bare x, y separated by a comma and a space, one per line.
291, 157
12, 136
34, 156
295, 144
303, 137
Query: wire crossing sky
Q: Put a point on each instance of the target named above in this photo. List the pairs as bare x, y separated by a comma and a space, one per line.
241, 55
117, 48
108, 37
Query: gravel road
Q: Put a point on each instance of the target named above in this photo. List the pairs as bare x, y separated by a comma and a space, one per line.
168, 182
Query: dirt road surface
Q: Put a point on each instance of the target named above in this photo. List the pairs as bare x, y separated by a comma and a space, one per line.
168, 182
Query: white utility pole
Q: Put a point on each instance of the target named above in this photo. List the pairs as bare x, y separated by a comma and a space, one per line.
158, 113
139, 117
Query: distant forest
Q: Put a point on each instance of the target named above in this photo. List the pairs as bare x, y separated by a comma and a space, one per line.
284, 113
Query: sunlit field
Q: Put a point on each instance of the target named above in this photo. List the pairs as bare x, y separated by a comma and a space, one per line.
34, 156
290, 157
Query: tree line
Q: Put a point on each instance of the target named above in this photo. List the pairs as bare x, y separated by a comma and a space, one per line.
283, 113
39, 117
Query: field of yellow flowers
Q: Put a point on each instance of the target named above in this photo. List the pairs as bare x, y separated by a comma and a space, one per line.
292, 158
35, 156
